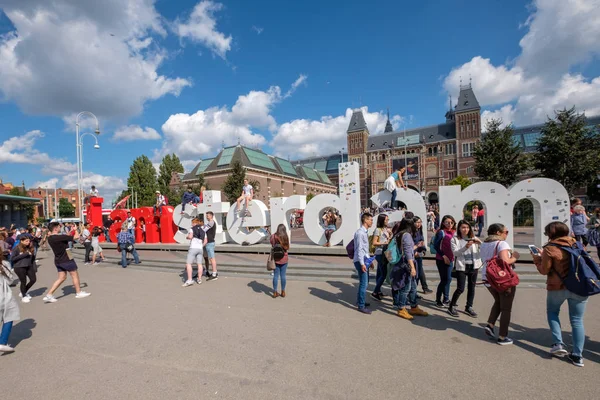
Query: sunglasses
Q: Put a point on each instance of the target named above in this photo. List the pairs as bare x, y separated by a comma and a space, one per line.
448, 222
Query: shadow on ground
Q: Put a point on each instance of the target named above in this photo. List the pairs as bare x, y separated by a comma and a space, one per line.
21, 331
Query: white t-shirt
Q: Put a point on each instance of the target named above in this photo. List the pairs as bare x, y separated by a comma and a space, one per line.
487, 253
130, 222
86, 235
94, 192
247, 190
197, 243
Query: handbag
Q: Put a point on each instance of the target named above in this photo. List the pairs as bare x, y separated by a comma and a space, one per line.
270, 262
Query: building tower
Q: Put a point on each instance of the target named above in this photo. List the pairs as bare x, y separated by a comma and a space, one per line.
388, 126
467, 114
358, 136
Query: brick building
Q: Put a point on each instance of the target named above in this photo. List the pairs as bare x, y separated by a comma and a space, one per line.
276, 176
49, 199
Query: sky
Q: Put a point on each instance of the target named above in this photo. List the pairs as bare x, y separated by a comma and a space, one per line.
190, 76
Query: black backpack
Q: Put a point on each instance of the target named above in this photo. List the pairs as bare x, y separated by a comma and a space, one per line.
278, 251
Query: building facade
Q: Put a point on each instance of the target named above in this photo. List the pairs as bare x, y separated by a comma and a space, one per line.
49, 200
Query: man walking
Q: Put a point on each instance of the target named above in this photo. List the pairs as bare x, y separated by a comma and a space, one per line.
198, 241
86, 236
63, 260
361, 253
126, 243
211, 229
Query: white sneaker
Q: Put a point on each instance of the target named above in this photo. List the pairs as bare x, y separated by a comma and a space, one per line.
188, 283
27, 295
25, 299
86, 263
96, 263
49, 299
6, 348
199, 281
81, 295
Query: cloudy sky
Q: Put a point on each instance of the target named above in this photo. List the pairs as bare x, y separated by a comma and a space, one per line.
188, 76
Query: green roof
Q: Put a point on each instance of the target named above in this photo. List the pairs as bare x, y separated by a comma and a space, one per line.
321, 165
203, 165
324, 177
259, 159
286, 166
18, 198
311, 174
226, 156
310, 165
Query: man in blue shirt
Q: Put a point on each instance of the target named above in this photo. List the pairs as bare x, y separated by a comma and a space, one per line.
361, 254
125, 238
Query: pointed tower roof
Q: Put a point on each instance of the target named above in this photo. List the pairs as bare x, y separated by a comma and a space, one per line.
466, 99
357, 122
388, 125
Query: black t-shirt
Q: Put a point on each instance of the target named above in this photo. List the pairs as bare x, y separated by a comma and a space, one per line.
59, 245
198, 232
211, 231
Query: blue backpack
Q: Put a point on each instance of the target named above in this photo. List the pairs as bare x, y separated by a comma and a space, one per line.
583, 277
392, 253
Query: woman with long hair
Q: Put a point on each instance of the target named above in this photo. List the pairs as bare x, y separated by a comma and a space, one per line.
495, 245
9, 308
97, 250
381, 237
467, 261
393, 182
280, 237
420, 251
22, 259
330, 221
444, 258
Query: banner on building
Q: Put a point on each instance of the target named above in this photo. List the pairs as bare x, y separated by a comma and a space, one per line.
411, 163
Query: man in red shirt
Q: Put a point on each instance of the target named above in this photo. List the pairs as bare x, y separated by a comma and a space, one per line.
480, 215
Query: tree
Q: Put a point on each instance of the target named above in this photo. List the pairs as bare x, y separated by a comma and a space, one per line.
567, 151
233, 185
16, 191
309, 197
497, 157
65, 209
169, 164
142, 179
461, 180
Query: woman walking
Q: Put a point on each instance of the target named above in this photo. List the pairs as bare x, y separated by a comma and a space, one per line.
381, 238
420, 251
330, 221
444, 259
555, 263
467, 261
96, 232
579, 220
9, 308
495, 245
280, 237
22, 259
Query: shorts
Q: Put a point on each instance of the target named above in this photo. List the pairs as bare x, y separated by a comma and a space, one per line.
194, 254
210, 250
97, 249
68, 266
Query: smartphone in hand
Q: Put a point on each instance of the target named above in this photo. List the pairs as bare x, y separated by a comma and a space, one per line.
534, 250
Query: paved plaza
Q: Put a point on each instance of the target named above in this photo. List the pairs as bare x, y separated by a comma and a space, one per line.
142, 336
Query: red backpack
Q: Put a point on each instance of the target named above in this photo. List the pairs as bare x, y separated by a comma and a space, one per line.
500, 274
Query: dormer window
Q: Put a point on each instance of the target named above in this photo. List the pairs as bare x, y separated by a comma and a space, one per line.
466, 103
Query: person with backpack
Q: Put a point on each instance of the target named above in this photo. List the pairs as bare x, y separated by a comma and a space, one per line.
495, 245
381, 237
126, 244
443, 259
280, 244
198, 240
467, 261
360, 256
420, 251
556, 262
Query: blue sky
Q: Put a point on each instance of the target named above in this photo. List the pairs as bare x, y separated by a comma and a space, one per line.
186, 76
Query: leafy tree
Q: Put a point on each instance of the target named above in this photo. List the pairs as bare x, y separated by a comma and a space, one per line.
461, 180
233, 185
497, 157
309, 197
142, 179
16, 191
567, 151
65, 208
169, 164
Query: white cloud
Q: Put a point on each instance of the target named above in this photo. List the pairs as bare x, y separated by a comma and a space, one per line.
107, 186
506, 114
49, 184
189, 165
201, 27
301, 80
560, 35
204, 132
66, 55
303, 137
257, 29
135, 132
19, 150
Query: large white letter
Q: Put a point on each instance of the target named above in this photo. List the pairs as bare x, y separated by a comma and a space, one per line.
281, 209
237, 226
212, 202
414, 203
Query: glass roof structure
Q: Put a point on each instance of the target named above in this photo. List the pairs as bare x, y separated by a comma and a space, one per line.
259, 159
286, 166
226, 156
324, 177
203, 165
310, 173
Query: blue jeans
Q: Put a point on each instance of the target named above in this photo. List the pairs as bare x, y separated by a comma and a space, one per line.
407, 295
480, 230
421, 274
381, 272
106, 235
280, 270
6, 328
445, 272
394, 194
132, 231
554, 300
363, 279
136, 258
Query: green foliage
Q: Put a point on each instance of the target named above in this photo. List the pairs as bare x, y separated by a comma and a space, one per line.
232, 188
497, 157
17, 191
461, 180
309, 197
169, 164
523, 213
65, 208
142, 179
567, 151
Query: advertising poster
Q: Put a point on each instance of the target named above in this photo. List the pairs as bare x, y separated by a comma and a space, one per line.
412, 166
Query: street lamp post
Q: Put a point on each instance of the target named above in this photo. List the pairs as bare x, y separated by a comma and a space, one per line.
79, 148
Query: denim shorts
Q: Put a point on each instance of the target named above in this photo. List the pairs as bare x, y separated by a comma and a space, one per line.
210, 249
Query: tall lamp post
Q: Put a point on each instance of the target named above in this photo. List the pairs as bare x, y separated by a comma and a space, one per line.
78, 138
